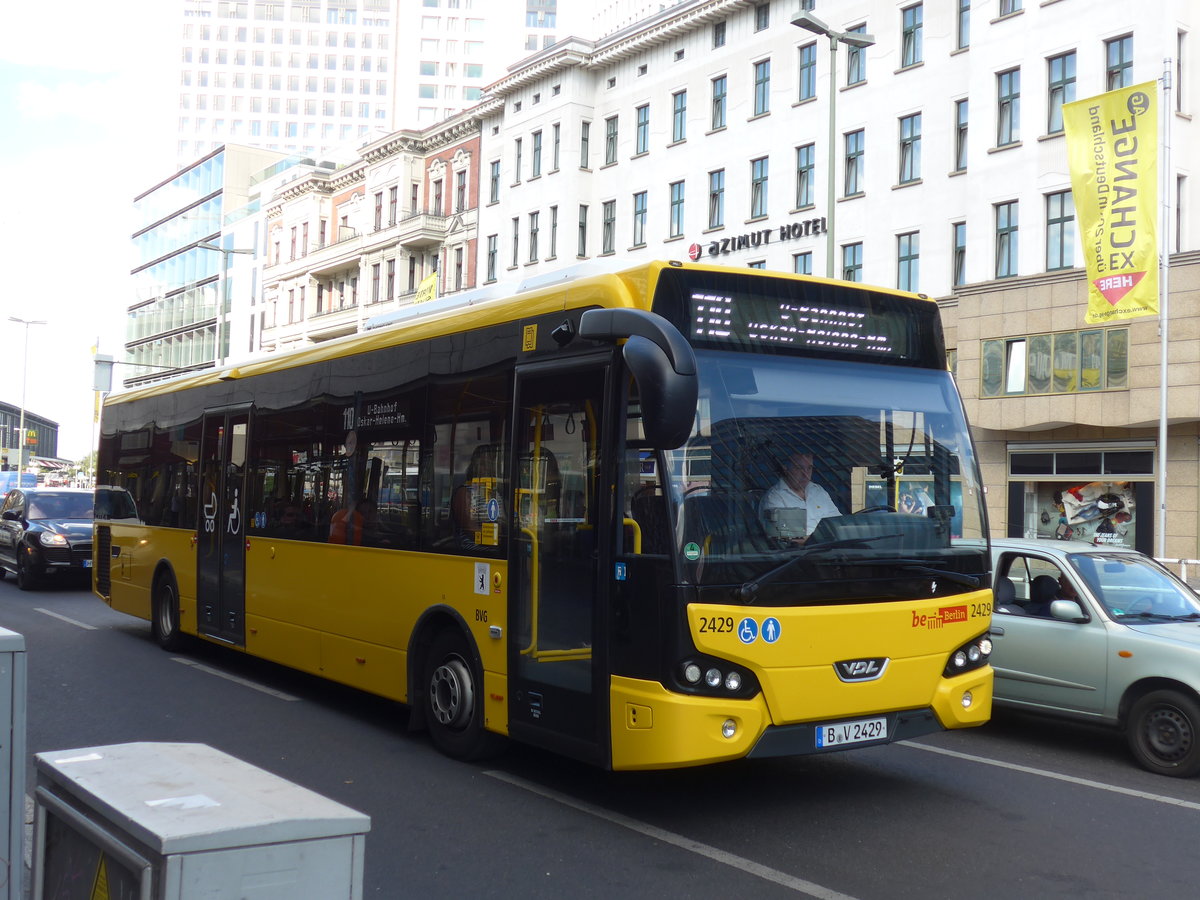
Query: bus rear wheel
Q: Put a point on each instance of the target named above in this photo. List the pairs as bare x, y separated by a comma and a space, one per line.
164, 621
454, 700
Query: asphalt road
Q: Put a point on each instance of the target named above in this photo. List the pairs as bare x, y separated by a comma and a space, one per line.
1024, 807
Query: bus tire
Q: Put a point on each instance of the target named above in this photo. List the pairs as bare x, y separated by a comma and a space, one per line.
164, 621
454, 700
1164, 733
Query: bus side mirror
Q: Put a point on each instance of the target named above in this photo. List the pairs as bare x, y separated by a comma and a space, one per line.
662, 363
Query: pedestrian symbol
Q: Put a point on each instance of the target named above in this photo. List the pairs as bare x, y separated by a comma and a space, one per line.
770, 629
747, 631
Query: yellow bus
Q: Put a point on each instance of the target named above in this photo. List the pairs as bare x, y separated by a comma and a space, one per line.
547, 517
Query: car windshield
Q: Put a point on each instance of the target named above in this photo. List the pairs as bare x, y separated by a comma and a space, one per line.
60, 506
1135, 588
880, 455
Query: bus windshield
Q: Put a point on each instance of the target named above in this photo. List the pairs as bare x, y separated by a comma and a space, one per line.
850, 478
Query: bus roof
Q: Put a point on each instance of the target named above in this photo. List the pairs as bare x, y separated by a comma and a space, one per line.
596, 283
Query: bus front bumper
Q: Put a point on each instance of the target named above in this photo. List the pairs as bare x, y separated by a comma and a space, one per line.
653, 728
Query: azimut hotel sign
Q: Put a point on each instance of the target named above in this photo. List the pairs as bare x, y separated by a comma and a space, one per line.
1112, 151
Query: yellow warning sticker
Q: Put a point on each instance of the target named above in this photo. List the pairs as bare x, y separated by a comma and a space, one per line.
100, 883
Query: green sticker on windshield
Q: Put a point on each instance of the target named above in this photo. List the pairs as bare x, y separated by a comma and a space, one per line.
691, 550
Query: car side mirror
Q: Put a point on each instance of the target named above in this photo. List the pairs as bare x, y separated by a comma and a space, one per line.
12, 515
1067, 611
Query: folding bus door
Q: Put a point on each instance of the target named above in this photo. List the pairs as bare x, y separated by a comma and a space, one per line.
556, 650
221, 544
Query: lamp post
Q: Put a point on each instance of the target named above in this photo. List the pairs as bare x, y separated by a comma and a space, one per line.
809, 22
21, 443
222, 287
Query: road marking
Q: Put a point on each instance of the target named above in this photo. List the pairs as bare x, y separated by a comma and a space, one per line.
280, 695
676, 840
1057, 776
83, 625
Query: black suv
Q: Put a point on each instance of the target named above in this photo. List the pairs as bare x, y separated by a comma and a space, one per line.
45, 531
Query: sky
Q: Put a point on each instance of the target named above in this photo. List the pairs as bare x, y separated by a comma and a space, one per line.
86, 123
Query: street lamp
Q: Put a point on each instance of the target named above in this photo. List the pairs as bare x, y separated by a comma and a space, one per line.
21, 442
222, 287
809, 22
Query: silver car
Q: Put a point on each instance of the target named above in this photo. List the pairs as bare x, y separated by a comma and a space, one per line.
1103, 634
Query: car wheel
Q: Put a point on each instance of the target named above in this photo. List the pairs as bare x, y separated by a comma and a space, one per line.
454, 700
27, 579
1162, 732
164, 622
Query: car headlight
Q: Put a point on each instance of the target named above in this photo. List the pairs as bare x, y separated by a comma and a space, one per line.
49, 539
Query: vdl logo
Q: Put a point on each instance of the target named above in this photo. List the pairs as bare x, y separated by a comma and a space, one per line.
852, 670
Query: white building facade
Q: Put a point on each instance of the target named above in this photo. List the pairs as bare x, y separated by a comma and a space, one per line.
703, 132
308, 76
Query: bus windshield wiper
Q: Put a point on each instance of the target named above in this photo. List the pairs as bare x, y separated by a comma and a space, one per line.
748, 591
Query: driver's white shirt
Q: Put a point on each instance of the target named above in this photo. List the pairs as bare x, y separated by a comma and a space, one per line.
816, 502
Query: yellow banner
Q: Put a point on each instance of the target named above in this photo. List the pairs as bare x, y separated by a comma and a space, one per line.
427, 289
1112, 151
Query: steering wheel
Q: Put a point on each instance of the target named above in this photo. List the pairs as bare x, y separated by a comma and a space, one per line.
870, 509
1141, 605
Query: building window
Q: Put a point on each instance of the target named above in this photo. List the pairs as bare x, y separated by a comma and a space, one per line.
581, 249
802, 263
535, 163
762, 16
610, 140
1118, 62
1061, 83
608, 232
911, 27
676, 209
556, 144
517, 151
716, 199
639, 219
376, 282
1006, 239
641, 133
718, 34
1008, 107
516, 241
805, 179
553, 233
585, 150
391, 280
494, 183
534, 220
958, 255
1060, 231
679, 116
1064, 363
493, 249
852, 261
1008, 7
460, 191
910, 148
855, 145
719, 86
808, 72
762, 87
758, 187
856, 59
908, 260
962, 34
960, 135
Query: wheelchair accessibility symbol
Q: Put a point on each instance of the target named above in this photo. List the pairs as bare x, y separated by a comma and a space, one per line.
747, 631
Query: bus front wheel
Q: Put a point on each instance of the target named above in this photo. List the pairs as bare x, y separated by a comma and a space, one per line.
454, 700
164, 622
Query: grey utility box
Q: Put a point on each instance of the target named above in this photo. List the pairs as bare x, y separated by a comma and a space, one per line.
12, 760
184, 822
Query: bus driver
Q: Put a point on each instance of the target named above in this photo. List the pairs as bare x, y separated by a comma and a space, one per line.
792, 508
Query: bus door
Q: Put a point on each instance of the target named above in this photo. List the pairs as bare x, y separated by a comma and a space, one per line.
557, 648
221, 543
